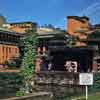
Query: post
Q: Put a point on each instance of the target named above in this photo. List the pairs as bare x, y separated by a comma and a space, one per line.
86, 79
86, 87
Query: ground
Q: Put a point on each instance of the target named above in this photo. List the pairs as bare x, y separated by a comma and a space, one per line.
90, 97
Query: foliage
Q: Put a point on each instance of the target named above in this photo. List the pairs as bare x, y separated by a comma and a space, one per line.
28, 61
20, 93
95, 35
29, 43
96, 84
71, 41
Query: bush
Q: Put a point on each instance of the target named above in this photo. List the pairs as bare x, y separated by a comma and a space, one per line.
96, 84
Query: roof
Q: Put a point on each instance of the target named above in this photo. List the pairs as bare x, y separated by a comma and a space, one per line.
7, 31
27, 22
79, 18
48, 31
73, 49
53, 34
83, 17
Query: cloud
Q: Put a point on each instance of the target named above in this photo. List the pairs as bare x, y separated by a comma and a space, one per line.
90, 9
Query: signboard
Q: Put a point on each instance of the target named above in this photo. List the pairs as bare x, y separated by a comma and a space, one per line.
86, 79
71, 66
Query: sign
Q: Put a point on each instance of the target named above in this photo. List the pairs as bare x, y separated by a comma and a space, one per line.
86, 79
71, 66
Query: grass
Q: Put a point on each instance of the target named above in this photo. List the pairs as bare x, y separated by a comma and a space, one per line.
90, 97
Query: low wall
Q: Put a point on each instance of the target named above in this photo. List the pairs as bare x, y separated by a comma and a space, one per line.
61, 84
9, 84
34, 96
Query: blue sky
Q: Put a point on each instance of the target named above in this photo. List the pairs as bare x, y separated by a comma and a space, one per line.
49, 11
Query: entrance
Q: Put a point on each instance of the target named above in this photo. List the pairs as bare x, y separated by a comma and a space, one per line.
75, 59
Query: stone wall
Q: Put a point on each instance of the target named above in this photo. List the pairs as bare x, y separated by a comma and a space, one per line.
8, 84
61, 84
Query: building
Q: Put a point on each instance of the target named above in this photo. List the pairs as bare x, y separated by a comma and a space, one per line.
2, 20
54, 54
9, 46
77, 24
93, 40
87, 35
47, 36
96, 27
87, 39
21, 27
46, 30
78, 27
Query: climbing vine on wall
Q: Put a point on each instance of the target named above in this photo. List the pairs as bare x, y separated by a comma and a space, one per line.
29, 43
29, 54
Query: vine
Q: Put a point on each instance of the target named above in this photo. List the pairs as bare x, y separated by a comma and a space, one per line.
29, 43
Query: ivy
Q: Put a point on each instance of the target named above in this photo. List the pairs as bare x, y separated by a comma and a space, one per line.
29, 43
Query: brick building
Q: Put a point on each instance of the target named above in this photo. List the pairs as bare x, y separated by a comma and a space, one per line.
9, 46
2, 20
87, 35
78, 27
21, 27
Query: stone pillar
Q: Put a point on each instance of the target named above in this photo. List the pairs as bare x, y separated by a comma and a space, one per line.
95, 67
39, 51
44, 50
1, 54
38, 64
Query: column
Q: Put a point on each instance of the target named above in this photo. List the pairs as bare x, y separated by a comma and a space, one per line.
44, 50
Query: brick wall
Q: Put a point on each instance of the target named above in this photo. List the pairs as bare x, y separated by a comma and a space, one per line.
7, 52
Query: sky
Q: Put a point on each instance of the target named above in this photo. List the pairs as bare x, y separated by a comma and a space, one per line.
53, 12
